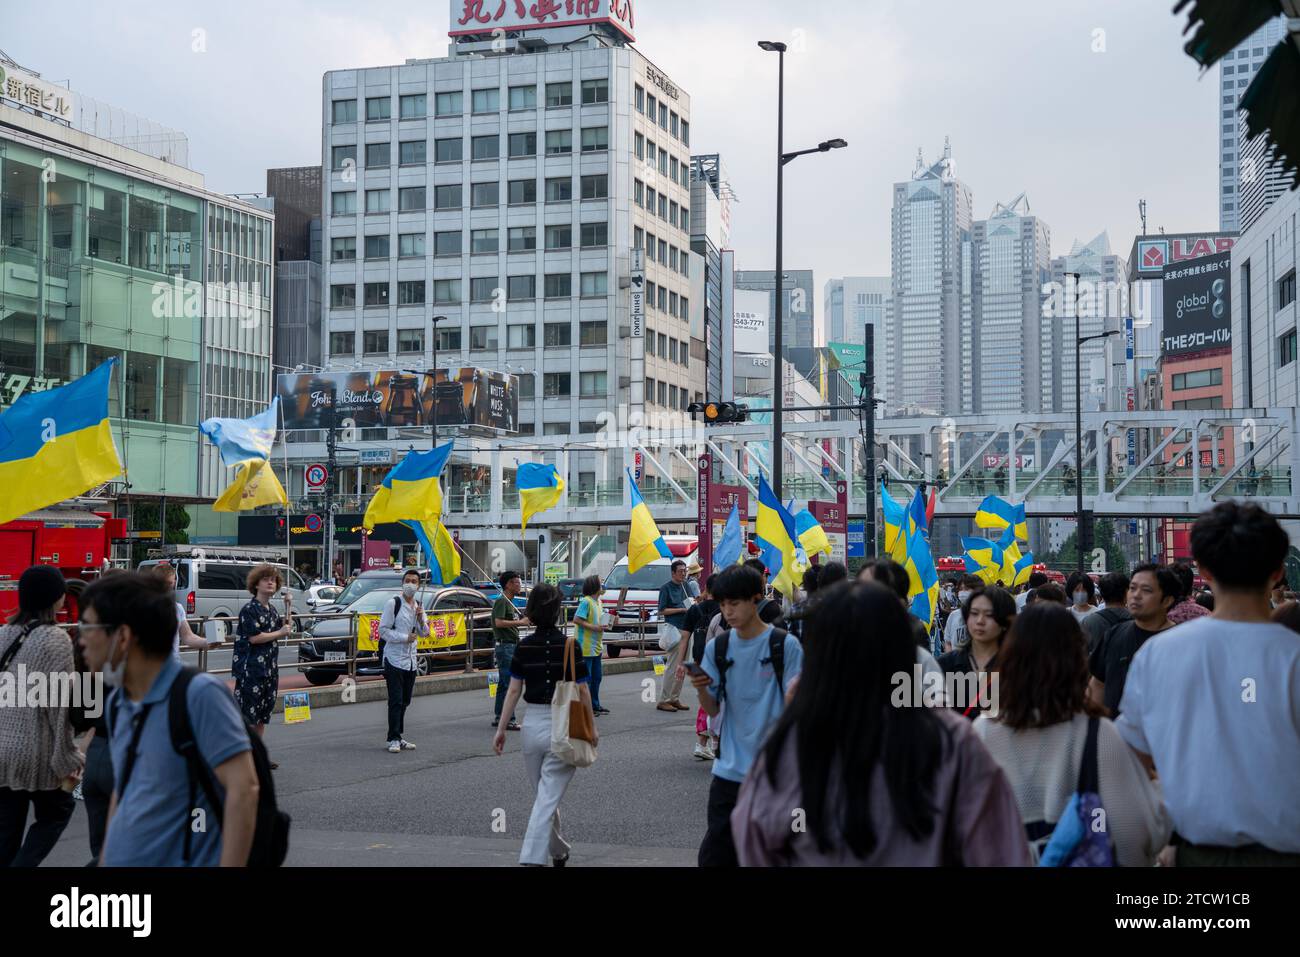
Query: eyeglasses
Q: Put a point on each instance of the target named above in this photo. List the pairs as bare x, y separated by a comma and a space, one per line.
103, 626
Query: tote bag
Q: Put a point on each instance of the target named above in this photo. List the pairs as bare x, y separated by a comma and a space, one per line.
573, 726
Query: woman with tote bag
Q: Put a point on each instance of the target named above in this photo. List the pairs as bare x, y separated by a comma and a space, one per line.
550, 677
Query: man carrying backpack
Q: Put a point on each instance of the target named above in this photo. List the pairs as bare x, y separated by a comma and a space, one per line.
749, 667
402, 625
161, 813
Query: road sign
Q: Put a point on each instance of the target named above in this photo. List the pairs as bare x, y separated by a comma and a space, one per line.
638, 467
316, 475
313, 523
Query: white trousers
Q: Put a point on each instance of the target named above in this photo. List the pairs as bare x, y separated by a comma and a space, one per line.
550, 777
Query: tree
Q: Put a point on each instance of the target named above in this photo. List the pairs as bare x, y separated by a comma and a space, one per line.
1113, 557
145, 517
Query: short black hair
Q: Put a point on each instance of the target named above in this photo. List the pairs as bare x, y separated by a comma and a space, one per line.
738, 583
710, 582
810, 576
409, 572
142, 602
757, 565
505, 577
1166, 580
1080, 580
1241, 546
1183, 572
1004, 606
1038, 579
831, 573
543, 608
591, 585
887, 572
677, 563
973, 581
1113, 587
1051, 592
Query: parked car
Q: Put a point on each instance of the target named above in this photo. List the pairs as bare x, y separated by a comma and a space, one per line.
211, 587
323, 594
367, 582
492, 591
323, 656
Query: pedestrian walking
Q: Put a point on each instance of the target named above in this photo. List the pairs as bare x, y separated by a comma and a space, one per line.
1039, 737
748, 670
128, 623
1114, 594
255, 662
674, 601
704, 622
1152, 591
987, 614
589, 626
39, 760
1186, 608
505, 638
1036, 581
97, 778
402, 624
539, 663
954, 633
870, 784
1083, 595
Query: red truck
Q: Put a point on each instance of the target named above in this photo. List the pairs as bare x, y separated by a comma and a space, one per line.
75, 542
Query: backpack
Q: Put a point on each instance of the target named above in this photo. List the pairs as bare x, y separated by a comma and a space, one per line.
701, 635
271, 826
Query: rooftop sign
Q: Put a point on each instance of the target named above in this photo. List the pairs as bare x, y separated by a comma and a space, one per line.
484, 16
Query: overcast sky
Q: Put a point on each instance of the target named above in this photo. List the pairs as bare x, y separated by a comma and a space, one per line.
1016, 84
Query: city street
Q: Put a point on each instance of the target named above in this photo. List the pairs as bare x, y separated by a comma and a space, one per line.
353, 803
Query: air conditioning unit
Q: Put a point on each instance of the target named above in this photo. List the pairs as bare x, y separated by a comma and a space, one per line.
625, 382
624, 332
624, 282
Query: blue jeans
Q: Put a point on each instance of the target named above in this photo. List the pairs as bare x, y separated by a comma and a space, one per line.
505, 653
593, 675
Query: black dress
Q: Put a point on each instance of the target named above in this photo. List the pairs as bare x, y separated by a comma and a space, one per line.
255, 668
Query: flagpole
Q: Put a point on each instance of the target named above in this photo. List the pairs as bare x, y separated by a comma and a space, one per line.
288, 522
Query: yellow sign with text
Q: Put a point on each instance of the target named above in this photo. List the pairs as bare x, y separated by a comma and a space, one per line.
445, 631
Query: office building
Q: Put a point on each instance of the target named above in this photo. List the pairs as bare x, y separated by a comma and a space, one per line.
295, 197
1248, 181
1098, 277
798, 318
850, 305
711, 199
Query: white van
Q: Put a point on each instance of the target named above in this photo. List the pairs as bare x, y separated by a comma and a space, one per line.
642, 594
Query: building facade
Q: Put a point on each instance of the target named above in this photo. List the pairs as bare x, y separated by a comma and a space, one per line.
1103, 305
711, 198
850, 305
798, 317
1248, 181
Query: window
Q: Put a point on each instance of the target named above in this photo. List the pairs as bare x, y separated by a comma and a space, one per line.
483, 289
593, 334
377, 201
414, 106
663, 117
343, 296
485, 147
595, 186
595, 138
556, 384
345, 111
1286, 290
663, 161
650, 390
486, 101
592, 384
446, 291
1197, 380
376, 247
447, 244
557, 334
1227, 114
449, 151
523, 98
410, 292
649, 295
484, 241
1287, 349
672, 123
663, 346
663, 252
375, 343
685, 305
413, 153
521, 238
650, 196
595, 91
685, 224
528, 390
638, 237
640, 98
556, 428
651, 107
483, 337
672, 306
663, 298
379, 108
559, 285
410, 340
341, 156
448, 339
559, 141
342, 343
412, 244
672, 396
559, 237
485, 194
523, 144
521, 337
1209, 402
377, 295
559, 94
595, 284
672, 169
638, 192
449, 104
639, 140
559, 189
343, 248
522, 191
344, 203
663, 393
521, 288
594, 234
410, 198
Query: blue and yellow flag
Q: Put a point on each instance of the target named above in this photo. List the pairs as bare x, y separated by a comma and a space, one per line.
246, 444
774, 531
923, 579
983, 559
916, 518
811, 534
645, 544
56, 444
732, 542
1023, 569
410, 491
1011, 557
895, 521
998, 513
254, 485
540, 487
439, 550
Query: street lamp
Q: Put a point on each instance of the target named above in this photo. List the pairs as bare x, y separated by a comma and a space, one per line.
778, 352
1078, 423
433, 414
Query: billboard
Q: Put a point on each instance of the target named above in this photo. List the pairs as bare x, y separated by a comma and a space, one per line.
749, 321
1156, 255
395, 399
1198, 305
484, 16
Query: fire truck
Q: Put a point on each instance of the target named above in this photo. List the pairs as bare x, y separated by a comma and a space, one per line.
78, 543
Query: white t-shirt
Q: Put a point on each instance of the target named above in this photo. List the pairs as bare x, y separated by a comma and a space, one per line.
176, 638
1217, 706
954, 632
1079, 613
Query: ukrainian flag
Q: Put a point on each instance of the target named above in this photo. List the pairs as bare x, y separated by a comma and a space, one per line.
645, 544
983, 558
1010, 557
411, 490
916, 515
1023, 569
811, 534
246, 444
57, 444
923, 590
732, 542
995, 512
895, 519
254, 484
439, 550
540, 487
774, 531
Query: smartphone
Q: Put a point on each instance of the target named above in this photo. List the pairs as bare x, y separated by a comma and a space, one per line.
693, 669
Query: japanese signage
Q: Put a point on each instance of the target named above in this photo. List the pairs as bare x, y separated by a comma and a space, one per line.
661, 81
1198, 305
1000, 461
834, 520
13, 386
22, 88
715, 502
445, 631
1154, 255
395, 399
749, 321
638, 294
376, 553
470, 17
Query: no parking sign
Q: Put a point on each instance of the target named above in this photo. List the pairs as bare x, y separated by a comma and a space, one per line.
316, 475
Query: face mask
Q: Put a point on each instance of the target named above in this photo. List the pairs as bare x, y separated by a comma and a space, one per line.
962, 596
1081, 598
408, 590
113, 674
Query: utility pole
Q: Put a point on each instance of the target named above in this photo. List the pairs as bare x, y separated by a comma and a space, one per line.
331, 448
867, 411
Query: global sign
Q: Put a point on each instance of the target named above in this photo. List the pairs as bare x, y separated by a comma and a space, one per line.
1198, 305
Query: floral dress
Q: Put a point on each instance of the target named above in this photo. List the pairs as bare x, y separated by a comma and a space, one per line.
255, 668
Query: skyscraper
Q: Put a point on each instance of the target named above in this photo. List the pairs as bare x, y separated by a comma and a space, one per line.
931, 219
1103, 304
1248, 182
850, 305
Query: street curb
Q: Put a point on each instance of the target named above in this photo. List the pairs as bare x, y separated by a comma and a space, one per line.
332, 695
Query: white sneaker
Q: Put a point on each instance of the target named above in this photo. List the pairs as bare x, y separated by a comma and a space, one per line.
702, 752
406, 745
394, 747
709, 755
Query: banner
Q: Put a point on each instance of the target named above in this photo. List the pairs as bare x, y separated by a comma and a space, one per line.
445, 631
468, 396
1198, 305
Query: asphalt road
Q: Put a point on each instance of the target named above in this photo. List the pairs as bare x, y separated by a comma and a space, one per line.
642, 802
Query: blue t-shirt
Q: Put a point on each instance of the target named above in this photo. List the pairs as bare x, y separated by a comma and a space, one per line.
754, 699
149, 825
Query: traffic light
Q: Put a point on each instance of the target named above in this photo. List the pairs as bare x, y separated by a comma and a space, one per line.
281, 530
716, 413
1087, 539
